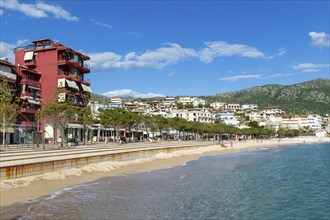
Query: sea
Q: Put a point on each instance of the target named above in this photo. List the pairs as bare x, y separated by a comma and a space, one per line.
291, 182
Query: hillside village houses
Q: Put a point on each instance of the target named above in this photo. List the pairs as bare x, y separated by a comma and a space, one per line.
227, 113
68, 72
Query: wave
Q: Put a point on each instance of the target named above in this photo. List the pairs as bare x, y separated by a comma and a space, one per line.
100, 167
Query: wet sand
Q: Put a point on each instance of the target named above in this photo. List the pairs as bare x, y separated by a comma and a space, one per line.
40, 187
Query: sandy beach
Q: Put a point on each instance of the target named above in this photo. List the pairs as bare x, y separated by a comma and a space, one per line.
24, 189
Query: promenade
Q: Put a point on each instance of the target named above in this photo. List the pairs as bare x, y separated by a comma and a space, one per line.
23, 162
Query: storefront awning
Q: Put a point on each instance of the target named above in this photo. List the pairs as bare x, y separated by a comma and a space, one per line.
28, 55
72, 84
86, 88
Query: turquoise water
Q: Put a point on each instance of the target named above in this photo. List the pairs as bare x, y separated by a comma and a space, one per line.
278, 183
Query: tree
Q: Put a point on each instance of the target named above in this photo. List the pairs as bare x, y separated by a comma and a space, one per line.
179, 105
161, 124
253, 124
59, 116
147, 122
130, 120
189, 105
9, 109
85, 117
114, 118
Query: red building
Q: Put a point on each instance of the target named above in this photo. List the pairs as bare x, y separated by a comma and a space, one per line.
50, 71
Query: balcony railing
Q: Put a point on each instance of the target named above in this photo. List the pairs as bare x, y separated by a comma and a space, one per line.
67, 75
31, 83
30, 123
29, 110
82, 67
30, 63
28, 94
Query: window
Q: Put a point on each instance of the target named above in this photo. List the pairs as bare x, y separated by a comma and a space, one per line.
74, 71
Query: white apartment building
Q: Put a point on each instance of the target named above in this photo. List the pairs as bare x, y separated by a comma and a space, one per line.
218, 105
314, 122
196, 102
290, 122
169, 101
271, 111
185, 100
116, 102
274, 122
249, 106
96, 107
227, 118
254, 116
202, 115
233, 106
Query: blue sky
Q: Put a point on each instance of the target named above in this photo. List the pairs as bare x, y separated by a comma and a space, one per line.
169, 48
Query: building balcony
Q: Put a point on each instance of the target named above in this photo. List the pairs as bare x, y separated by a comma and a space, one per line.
82, 68
67, 75
29, 95
30, 63
28, 110
31, 83
29, 123
26, 70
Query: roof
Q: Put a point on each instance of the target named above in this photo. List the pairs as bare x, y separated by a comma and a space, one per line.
6, 63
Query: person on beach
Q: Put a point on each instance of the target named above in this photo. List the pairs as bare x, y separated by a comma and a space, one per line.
231, 144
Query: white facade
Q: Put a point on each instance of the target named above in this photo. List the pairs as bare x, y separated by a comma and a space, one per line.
233, 106
274, 122
271, 111
218, 105
116, 102
193, 115
291, 122
249, 106
169, 101
197, 102
254, 116
314, 122
185, 100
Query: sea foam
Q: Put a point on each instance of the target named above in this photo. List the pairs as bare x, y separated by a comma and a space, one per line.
100, 167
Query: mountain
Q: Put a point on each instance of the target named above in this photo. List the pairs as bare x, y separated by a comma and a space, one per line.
105, 99
307, 97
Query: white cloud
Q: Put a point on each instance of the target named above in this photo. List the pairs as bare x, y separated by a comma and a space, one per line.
158, 58
133, 33
131, 93
27, 9
38, 10
7, 50
57, 11
281, 75
240, 77
309, 67
224, 49
320, 39
281, 52
172, 73
101, 24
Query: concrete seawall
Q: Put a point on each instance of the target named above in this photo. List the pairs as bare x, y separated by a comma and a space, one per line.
16, 168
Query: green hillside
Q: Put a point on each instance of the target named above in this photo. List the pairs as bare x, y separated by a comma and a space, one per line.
308, 97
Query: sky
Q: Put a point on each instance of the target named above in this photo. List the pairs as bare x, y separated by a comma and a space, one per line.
170, 48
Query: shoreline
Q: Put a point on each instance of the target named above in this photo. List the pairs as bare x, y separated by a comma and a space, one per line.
42, 187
